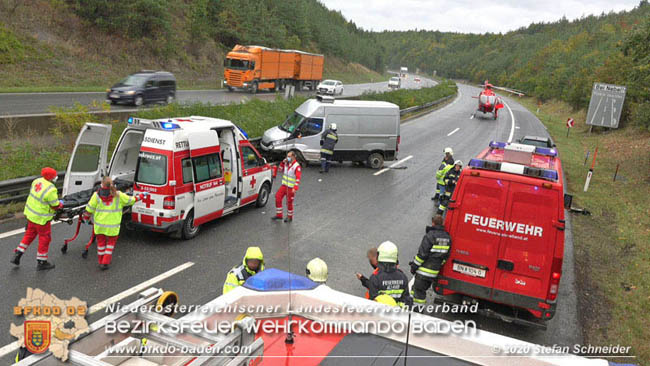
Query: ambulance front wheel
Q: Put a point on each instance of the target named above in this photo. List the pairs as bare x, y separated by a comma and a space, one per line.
263, 196
189, 230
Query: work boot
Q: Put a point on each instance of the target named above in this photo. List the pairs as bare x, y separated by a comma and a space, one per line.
16, 259
435, 198
103, 267
276, 218
44, 265
288, 219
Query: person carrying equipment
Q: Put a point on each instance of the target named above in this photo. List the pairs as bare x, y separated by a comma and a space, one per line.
41, 203
389, 280
431, 256
291, 172
451, 178
106, 206
327, 143
445, 166
252, 263
317, 270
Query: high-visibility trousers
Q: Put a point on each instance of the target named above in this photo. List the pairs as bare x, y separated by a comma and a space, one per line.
44, 233
279, 196
105, 247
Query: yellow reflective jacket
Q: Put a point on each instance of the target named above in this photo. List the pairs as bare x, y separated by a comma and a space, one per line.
107, 218
238, 275
42, 197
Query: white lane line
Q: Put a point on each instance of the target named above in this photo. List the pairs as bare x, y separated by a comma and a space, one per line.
11, 347
453, 132
394, 165
471, 117
512, 118
20, 231
517, 127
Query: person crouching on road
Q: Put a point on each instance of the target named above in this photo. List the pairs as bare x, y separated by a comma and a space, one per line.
252, 263
431, 256
317, 271
106, 206
41, 203
291, 172
327, 143
451, 178
389, 280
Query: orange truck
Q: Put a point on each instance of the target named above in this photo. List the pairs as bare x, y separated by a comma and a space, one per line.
256, 67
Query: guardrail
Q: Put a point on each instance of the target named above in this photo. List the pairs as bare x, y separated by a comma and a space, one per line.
16, 190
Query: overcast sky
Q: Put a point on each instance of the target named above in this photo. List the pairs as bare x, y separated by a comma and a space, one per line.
467, 16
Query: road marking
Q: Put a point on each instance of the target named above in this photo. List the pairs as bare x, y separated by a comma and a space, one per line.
394, 165
454, 131
517, 127
512, 128
99, 306
471, 116
20, 231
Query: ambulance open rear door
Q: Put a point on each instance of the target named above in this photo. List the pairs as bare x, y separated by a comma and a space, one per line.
88, 160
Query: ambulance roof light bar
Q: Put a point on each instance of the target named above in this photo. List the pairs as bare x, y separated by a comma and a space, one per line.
169, 125
538, 149
505, 167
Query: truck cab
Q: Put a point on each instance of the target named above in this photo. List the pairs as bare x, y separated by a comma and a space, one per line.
193, 169
506, 221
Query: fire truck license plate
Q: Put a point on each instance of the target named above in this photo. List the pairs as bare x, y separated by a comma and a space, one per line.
472, 271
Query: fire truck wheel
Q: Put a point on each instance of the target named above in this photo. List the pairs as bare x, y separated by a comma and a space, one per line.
189, 230
263, 196
376, 160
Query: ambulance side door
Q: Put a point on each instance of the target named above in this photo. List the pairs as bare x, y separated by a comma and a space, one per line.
209, 189
253, 167
88, 159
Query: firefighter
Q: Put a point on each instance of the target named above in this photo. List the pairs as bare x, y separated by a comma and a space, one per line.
291, 172
372, 259
41, 203
252, 263
451, 178
389, 280
433, 252
106, 206
317, 270
327, 143
445, 166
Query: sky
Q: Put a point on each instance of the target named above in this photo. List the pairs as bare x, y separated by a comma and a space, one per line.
467, 16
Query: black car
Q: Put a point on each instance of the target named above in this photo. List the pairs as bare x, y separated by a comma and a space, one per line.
144, 87
537, 141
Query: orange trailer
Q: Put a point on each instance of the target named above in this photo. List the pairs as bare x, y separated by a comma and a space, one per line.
257, 67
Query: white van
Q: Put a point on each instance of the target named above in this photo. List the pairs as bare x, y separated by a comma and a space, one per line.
368, 131
195, 169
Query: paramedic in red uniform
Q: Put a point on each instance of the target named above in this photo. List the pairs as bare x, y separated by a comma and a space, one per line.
291, 172
106, 206
39, 211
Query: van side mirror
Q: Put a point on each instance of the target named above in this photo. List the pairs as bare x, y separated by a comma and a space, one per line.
568, 200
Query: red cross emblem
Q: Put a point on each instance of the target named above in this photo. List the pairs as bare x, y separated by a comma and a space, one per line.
38, 187
253, 181
148, 201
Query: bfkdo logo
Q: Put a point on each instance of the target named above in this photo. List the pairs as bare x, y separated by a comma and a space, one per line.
37, 335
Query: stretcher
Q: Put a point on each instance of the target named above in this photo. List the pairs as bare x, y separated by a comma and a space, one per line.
74, 206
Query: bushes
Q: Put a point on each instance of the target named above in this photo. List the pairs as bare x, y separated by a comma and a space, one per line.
11, 49
406, 98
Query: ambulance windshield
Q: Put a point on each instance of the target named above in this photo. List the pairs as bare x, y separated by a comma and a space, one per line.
152, 169
292, 122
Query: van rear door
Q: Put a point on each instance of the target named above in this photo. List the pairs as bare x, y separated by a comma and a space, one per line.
209, 189
474, 244
88, 160
528, 244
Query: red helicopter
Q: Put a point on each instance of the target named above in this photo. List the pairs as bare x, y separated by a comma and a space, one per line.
489, 102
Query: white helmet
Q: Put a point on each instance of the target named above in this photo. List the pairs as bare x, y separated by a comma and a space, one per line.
317, 270
333, 126
458, 162
387, 252
448, 150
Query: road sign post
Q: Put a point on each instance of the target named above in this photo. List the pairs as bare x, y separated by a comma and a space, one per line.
569, 124
591, 170
605, 105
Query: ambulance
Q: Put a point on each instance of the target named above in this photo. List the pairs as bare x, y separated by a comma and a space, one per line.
506, 221
193, 169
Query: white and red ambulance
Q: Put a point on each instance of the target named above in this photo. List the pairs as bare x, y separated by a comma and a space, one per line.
194, 169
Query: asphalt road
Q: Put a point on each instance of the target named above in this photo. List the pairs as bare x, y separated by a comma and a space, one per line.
17, 104
338, 217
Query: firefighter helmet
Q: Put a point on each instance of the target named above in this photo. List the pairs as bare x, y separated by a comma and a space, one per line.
387, 252
317, 270
448, 150
458, 162
386, 300
333, 126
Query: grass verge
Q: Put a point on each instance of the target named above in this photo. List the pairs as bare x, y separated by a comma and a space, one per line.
612, 245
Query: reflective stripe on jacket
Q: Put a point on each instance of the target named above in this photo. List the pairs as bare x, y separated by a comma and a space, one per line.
444, 167
42, 197
433, 251
329, 140
291, 174
107, 218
